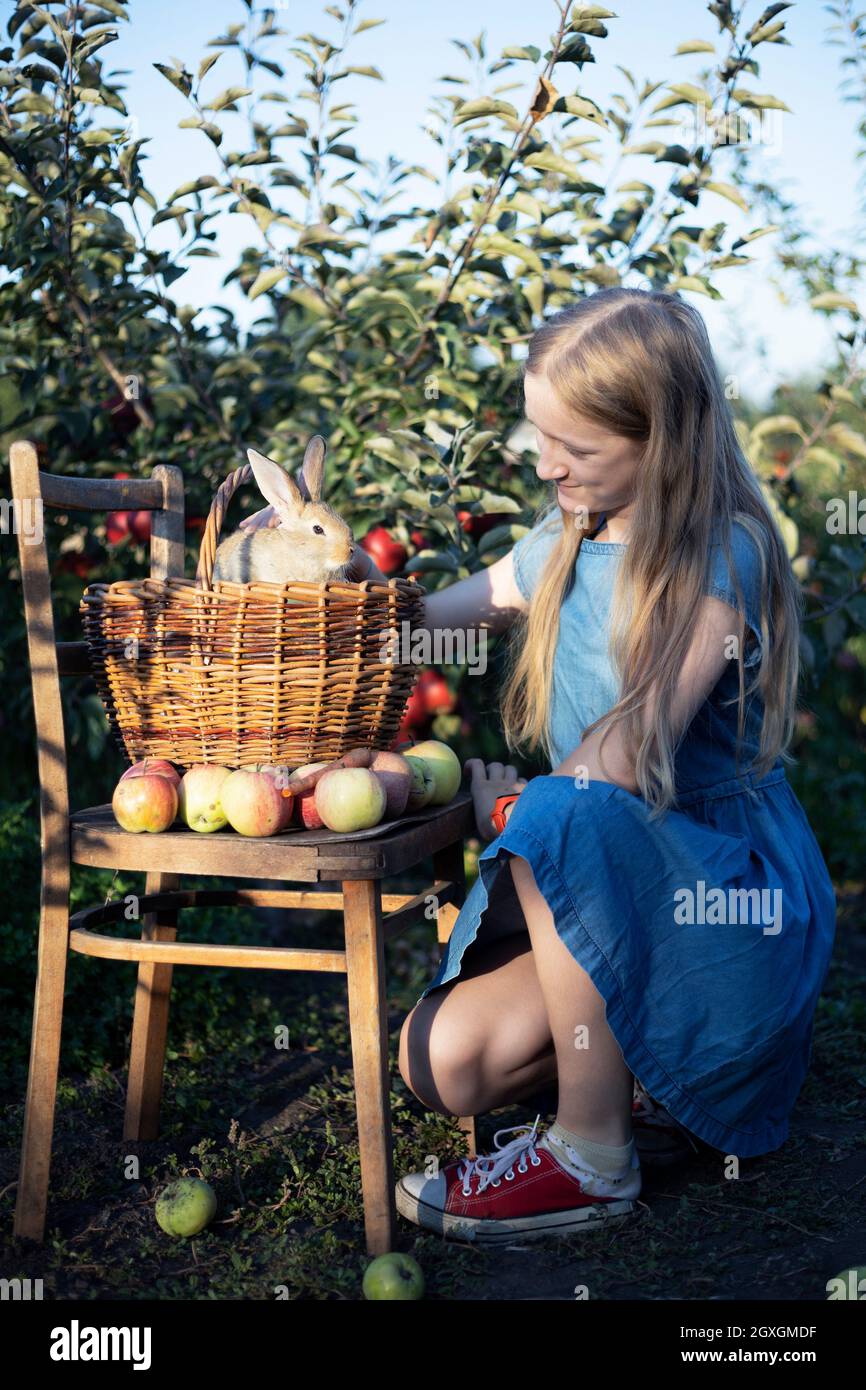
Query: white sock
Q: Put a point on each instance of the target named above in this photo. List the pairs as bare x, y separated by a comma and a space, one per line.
572, 1150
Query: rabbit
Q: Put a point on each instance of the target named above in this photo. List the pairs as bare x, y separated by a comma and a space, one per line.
312, 543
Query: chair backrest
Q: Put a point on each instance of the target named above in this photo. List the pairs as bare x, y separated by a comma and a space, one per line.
32, 491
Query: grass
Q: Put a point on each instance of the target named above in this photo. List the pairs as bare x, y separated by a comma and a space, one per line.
273, 1129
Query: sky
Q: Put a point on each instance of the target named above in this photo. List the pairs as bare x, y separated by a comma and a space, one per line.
811, 152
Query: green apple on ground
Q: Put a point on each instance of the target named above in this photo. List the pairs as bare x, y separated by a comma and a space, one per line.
423, 785
445, 767
147, 803
148, 766
199, 795
185, 1207
394, 1277
350, 798
253, 803
395, 774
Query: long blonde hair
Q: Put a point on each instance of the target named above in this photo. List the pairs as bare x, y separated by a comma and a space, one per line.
639, 363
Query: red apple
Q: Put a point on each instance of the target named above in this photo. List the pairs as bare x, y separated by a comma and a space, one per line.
435, 692
395, 774
305, 812
385, 552
139, 525
252, 803
116, 527
146, 803
477, 525
136, 524
350, 798
279, 773
75, 562
415, 715
153, 767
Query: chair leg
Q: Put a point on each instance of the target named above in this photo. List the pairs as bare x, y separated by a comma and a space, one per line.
32, 1199
448, 864
150, 1022
368, 1023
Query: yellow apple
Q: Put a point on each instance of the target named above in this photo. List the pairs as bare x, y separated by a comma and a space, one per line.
445, 767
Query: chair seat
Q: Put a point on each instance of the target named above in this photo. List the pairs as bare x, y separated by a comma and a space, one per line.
310, 856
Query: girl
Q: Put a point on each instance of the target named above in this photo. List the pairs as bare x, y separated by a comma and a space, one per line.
656, 912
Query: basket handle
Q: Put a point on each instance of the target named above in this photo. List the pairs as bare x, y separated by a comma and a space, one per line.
210, 539
309, 481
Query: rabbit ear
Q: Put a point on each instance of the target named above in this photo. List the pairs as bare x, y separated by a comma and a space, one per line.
275, 484
313, 467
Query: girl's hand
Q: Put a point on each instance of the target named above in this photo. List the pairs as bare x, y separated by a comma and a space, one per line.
487, 785
266, 517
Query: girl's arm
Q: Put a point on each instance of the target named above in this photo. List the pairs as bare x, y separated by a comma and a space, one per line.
706, 659
488, 599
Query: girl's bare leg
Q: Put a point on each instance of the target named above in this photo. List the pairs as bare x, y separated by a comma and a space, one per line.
507, 1025
482, 1041
595, 1084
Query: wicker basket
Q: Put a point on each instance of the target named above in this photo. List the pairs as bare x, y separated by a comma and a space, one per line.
239, 674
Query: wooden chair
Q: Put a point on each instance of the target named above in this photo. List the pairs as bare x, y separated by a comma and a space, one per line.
309, 857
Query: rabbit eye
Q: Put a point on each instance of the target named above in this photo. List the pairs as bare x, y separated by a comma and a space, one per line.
319, 530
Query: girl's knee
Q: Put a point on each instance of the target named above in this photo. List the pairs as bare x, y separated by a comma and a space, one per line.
438, 1065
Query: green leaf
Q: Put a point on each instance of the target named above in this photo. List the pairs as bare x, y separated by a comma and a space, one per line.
554, 163
423, 564
685, 93
729, 191
265, 280
111, 7
194, 186
483, 106
530, 52
166, 213
581, 106
228, 98
844, 437
520, 201
694, 283
756, 99
832, 299
753, 236
778, 424
178, 78
500, 245
695, 46
477, 444
207, 63
362, 72
501, 536
99, 137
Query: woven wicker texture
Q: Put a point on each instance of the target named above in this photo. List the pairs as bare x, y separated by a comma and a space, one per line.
239, 674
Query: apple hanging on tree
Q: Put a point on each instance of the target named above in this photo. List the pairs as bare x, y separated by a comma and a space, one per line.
384, 550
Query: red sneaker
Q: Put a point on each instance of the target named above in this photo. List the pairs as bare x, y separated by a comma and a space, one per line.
520, 1190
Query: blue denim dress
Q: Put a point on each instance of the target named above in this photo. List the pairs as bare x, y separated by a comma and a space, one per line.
707, 932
